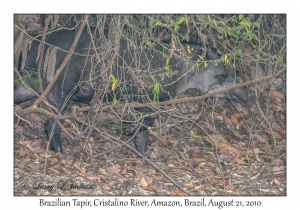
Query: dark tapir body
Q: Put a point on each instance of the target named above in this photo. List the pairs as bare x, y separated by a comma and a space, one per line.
80, 77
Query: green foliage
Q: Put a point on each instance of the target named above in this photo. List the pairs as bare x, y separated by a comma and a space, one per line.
19, 25
114, 83
156, 88
115, 100
18, 82
204, 62
248, 33
279, 61
226, 60
182, 19
31, 73
158, 23
175, 40
167, 67
148, 43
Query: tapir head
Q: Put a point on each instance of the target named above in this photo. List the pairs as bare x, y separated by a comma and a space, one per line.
213, 78
216, 78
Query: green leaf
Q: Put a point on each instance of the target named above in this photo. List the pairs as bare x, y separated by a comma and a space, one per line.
215, 23
167, 68
255, 37
176, 27
36, 82
156, 88
241, 17
234, 20
256, 24
26, 71
257, 55
239, 53
18, 81
167, 61
115, 101
158, 23
232, 54
153, 79
181, 19
113, 79
148, 43
201, 58
174, 38
208, 16
233, 40
205, 64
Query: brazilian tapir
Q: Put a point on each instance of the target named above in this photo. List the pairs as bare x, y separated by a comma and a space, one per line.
135, 68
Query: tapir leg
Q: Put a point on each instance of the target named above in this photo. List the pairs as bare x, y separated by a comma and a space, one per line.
140, 141
55, 142
141, 138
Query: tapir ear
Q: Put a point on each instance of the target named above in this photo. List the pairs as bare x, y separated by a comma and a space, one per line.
211, 54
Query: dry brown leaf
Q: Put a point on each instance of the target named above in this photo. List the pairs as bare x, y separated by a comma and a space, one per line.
24, 142
143, 182
171, 142
215, 177
124, 170
276, 182
91, 139
143, 179
96, 178
190, 185
138, 162
170, 165
219, 117
276, 94
254, 151
259, 138
151, 171
72, 191
153, 189
279, 131
81, 174
201, 164
228, 122
34, 165
176, 192
150, 189
37, 146
239, 115
247, 76
102, 171
233, 120
274, 132
222, 144
159, 178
